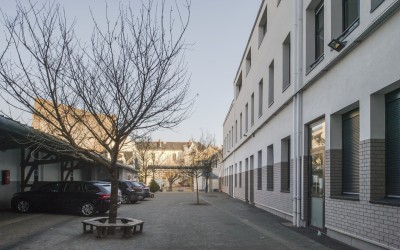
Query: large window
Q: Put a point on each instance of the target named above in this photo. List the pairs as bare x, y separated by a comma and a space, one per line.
270, 168
319, 31
236, 131
236, 175
286, 63
239, 85
262, 26
259, 171
248, 62
252, 109
271, 84
314, 31
351, 12
240, 174
246, 123
232, 137
240, 124
393, 144
285, 165
260, 98
351, 156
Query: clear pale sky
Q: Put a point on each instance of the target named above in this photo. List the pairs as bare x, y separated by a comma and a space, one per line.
218, 30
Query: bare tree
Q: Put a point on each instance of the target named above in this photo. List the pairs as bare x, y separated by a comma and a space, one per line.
130, 78
202, 157
172, 176
143, 149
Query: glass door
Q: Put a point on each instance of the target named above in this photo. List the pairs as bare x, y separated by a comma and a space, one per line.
317, 173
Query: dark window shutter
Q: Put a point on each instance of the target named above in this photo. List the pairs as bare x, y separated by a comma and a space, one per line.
393, 144
351, 147
270, 178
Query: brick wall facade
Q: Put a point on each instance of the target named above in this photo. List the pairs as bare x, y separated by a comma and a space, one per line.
275, 201
374, 223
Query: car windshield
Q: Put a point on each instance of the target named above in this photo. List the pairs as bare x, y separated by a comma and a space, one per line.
129, 184
136, 184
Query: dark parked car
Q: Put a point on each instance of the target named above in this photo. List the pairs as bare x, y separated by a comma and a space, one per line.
146, 190
129, 193
139, 189
84, 197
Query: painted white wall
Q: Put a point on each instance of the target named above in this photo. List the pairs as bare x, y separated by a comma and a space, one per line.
9, 160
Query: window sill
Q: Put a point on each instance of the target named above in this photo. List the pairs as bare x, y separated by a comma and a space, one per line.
315, 64
346, 197
386, 201
269, 105
285, 191
270, 189
349, 30
375, 7
286, 87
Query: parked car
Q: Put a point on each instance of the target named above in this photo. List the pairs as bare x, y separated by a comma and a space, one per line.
146, 190
129, 193
84, 197
139, 189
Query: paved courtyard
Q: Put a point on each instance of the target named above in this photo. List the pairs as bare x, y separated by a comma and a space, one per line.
172, 221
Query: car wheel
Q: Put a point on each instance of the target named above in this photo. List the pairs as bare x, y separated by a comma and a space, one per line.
124, 199
23, 206
87, 209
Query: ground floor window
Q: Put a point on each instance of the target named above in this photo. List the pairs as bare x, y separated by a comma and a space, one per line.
393, 144
351, 155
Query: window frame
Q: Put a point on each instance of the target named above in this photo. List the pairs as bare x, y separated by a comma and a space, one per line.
270, 168
375, 4
271, 83
259, 170
286, 63
389, 99
350, 171
349, 26
252, 110
263, 26
319, 52
260, 98
246, 117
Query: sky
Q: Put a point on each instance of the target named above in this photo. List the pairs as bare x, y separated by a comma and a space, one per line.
218, 31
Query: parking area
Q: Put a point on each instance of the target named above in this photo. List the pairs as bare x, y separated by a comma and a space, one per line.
172, 221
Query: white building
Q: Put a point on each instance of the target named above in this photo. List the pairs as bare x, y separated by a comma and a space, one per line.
313, 133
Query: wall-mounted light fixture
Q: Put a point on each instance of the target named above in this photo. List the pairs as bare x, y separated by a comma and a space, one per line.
336, 44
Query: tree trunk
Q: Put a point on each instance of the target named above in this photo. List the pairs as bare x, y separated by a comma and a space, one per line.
206, 190
113, 212
145, 175
197, 191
